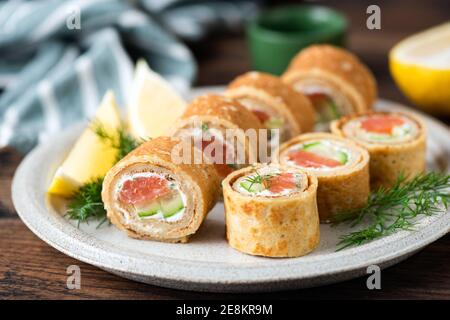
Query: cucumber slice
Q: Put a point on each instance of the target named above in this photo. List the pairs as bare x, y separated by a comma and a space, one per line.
308, 146
172, 206
322, 150
252, 187
319, 148
401, 131
342, 157
274, 123
328, 111
149, 211
334, 112
396, 133
379, 137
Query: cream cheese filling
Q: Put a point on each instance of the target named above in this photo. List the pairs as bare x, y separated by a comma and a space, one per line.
207, 132
257, 183
408, 131
130, 213
274, 121
311, 87
351, 158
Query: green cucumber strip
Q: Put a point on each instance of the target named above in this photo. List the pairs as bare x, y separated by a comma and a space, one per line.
379, 137
148, 213
334, 110
172, 206
168, 215
328, 111
322, 150
309, 145
342, 157
274, 123
398, 132
150, 210
251, 186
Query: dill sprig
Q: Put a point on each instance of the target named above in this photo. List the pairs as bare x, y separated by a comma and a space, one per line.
259, 179
395, 209
205, 127
86, 203
123, 142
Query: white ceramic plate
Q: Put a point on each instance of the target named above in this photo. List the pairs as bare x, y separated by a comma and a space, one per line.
207, 263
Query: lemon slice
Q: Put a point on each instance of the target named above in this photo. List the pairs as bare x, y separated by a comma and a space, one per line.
90, 157
154, 105
420, 65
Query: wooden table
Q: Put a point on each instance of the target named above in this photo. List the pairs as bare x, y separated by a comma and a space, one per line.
31, 269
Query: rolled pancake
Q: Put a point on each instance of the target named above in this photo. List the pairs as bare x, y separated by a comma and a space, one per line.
403, 150
271, 98
340, 165
336, 73
283, 225
213, 116
196, 184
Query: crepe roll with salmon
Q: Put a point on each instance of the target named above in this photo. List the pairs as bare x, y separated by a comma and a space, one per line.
271, 211
396, 142
153, 195
224, 129
274, 102
334, 79
340, 165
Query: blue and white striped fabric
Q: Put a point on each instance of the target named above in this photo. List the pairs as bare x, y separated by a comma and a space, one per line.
58, 58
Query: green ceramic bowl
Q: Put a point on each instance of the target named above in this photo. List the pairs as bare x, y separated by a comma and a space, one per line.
275, 36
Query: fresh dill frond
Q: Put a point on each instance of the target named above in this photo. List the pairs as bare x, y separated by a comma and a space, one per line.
394, 209
123, 142
256, 179
87, 204
259, 179
205, 127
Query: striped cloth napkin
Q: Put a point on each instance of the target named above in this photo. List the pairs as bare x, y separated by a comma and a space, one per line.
58, 58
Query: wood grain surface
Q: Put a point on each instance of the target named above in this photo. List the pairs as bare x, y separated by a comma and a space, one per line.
31, 269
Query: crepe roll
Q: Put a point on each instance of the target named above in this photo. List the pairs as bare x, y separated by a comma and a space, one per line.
271, 211
274, 102
340, 165
224, 129
334, 79
396, 142
151, 196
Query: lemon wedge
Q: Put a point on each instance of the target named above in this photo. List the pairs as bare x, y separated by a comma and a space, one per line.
153, 105
90, 157
420, 65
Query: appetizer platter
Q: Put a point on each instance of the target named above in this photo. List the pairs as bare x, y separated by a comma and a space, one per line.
335, 180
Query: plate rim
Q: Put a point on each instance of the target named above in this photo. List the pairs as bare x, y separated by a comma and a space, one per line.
114, 262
